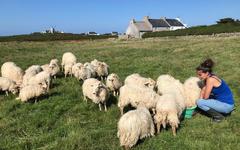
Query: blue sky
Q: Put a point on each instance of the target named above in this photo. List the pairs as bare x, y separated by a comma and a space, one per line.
26, 16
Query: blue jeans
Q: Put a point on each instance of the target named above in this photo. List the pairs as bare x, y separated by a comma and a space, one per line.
206, 104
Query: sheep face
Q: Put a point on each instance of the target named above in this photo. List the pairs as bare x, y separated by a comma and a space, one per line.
150, 83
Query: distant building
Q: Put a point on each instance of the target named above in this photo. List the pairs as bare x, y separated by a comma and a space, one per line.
52, 30
137, 28
92, 33
114, 33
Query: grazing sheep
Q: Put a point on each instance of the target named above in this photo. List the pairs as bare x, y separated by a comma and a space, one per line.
113, 83
137, 80
68, 58
83, 73
134, 125
11, 71
68, 69
53, 69
8, 85
96, 91
30, 72
137, 96
166, 84
192, 91
101, 68
53, 61
76, 67
33, 69
95, 62
31, 91
167, 112
92, 69
42, 77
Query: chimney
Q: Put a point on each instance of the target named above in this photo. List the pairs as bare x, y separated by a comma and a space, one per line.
132, 21
164, 18
145, 18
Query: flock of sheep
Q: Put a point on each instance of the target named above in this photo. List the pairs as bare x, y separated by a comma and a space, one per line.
159, 103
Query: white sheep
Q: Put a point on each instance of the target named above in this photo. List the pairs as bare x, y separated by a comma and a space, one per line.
76, 67
31, 91
8, 85
92, 69
138, 80
114, 83
101, 68
53, 68
30, 72
167, 112
68, 69
95, 62
96, 91
68, 58
54, 61
83, 73
166, 84
11, 71
192, 91
134, 125
137, 96
42, 77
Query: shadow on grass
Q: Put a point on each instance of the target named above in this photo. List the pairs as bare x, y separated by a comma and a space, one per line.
112, 100
43, 97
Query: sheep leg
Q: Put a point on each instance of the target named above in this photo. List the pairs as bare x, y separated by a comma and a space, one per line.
85, 98
117, 92
153, 111
126, 147
114, 93
121, 110
100, 108
174, 130
65, 75
6, 93
48, 86
105, 106
55, 77
158, 127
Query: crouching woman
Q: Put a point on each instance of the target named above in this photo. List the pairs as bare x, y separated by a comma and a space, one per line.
216, 97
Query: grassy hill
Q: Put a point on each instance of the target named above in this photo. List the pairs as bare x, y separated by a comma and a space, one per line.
198, 30
52, 37
62, 120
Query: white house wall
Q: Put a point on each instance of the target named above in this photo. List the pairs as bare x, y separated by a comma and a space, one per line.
132, 31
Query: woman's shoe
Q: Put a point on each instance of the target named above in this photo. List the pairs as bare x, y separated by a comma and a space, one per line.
216, 116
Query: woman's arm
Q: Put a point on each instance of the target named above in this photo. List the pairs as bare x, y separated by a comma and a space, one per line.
202, 92
208, 88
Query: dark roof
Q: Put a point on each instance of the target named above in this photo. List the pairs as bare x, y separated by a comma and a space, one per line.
174, 22
158, 23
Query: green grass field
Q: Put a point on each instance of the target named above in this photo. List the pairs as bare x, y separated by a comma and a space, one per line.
62, 120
